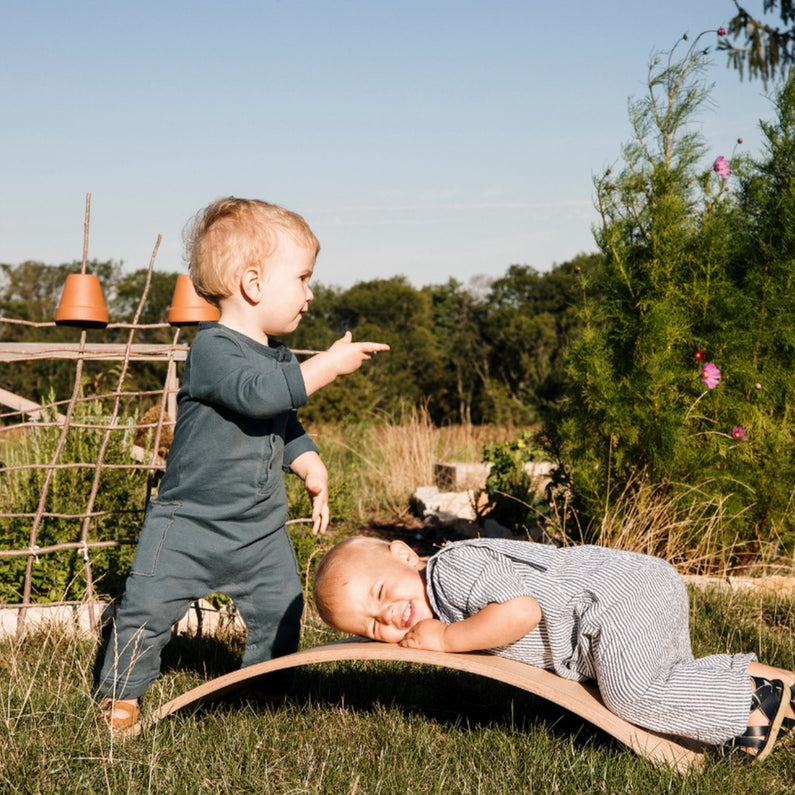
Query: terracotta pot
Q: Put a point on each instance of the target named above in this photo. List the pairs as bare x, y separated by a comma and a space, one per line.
82, 303
187, 307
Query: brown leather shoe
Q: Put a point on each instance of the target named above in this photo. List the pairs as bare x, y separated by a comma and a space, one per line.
119, 715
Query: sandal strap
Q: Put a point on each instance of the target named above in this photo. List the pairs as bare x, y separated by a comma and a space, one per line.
767, 696
788, 724
754, 737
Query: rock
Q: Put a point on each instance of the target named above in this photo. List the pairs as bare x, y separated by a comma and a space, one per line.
444, 507
460, 477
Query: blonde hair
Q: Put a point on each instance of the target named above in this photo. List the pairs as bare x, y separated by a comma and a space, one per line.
231, 234
334, 568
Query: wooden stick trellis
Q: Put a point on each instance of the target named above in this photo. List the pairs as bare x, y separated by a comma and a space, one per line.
63, 416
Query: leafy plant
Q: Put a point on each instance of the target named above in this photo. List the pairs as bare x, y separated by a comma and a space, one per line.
682, 375
512, 492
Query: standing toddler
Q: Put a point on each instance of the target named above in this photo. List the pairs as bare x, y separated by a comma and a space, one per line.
218, 521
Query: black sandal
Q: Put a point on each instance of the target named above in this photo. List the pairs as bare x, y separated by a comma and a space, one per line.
771, 697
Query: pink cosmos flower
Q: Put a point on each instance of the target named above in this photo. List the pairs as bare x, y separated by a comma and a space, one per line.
710, 375
699, 355
721, 31
721, 167
738, 433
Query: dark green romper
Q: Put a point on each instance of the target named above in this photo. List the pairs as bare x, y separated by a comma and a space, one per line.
218, 522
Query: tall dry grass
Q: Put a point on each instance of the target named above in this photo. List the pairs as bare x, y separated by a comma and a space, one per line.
376, 466
685, 526
384, 462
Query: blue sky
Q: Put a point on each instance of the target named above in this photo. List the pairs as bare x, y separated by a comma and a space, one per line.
428, 138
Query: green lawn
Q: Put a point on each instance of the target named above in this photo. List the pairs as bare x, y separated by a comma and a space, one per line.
354, 727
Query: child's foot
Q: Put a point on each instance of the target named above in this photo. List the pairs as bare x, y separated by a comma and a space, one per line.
770, 702
119, 714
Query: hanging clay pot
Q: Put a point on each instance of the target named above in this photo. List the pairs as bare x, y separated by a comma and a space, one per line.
187, 307
82, 303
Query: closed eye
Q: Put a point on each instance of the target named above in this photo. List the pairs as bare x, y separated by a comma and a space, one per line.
379, 595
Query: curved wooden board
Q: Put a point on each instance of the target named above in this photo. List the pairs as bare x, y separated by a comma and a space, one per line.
581, 699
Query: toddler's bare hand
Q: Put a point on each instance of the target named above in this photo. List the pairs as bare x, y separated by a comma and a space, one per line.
342, 358
427, 634
317, 488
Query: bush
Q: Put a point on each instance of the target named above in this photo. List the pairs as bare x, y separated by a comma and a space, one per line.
697, 279
511, 493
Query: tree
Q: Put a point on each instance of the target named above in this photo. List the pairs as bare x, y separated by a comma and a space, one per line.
463, 353
128, 291
766, 51
386, 310
762, 270
528, 319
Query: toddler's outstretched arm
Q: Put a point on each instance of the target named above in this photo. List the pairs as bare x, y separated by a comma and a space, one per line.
342, 358
497, 624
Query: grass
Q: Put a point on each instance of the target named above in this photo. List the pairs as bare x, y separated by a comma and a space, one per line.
688, 530
375, 727
354, 727
375, 467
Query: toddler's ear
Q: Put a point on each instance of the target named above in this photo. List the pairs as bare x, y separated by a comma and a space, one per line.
403, 552
251, 284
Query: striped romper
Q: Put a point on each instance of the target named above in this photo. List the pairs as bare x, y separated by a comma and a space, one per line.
620, 618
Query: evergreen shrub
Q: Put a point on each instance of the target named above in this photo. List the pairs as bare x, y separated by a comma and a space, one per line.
682, 377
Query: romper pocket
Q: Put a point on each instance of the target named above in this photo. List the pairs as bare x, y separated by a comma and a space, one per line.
271, 468
159, 519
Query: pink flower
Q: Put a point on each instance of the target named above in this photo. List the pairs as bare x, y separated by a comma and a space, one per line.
739, 140
699, 355
757, 385
721, 31
721, 167
710, 375
738, 433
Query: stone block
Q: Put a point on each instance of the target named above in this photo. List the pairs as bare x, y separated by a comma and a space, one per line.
459, 476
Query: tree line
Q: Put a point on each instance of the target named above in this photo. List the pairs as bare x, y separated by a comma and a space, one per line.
493, 351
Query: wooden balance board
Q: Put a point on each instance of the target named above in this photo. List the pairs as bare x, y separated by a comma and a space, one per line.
581, 699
